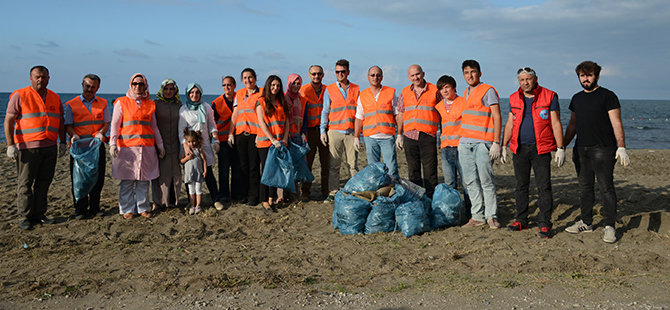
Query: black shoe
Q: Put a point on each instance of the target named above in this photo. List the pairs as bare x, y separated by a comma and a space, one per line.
225, 199
252, 203
25, 225
45, 220
79, 216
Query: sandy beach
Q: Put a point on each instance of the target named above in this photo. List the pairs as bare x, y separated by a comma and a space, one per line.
243, 258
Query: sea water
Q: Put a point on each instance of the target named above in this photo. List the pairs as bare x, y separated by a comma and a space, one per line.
646, 123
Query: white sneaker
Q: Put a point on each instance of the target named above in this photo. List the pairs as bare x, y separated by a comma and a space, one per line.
579, 227
609, 235
191, 210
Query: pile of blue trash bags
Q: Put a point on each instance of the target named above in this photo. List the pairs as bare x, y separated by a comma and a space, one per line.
372, 201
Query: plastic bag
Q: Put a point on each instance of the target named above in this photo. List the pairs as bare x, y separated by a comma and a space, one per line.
381, 217
371, 178
411, 218
298, 152
446, 208
86, 154
350, 213
402, 195
278, 169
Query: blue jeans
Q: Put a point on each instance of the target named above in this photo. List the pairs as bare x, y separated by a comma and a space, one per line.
375, 148
478, 178
451, 169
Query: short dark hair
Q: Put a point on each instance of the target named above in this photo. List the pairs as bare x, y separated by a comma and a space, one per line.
312, 66
91, 76
229, 77
343, 63
250, 71
588, 67
39, 68
444, 81
472, 64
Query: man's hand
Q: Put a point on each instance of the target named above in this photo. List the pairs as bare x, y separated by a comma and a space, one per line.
12, 152
75, 137
622, 156
559, 158
231, 140
399, 142
161, 152
494, 152
276, 143
357, 144
324, 139
216, 147
62, 149
503, 155
100, 136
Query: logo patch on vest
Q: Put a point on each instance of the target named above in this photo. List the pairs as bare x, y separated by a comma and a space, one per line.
544, 114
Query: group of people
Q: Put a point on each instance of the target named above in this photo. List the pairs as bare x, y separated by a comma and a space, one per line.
149, 139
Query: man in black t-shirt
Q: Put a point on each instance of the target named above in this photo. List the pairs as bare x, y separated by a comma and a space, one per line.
596, 119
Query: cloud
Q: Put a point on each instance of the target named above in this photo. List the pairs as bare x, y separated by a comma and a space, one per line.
187, 59
45, 53
271, 55
48, 44
151, 42
127, 52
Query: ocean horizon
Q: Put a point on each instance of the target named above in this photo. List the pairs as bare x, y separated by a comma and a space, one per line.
646, 122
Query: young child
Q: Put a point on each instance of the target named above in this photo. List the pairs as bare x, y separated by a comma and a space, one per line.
194, 169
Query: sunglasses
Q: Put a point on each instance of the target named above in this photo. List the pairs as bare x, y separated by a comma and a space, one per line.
137, 84
527, 70
315, 73
340, 71
376, 75
226, 85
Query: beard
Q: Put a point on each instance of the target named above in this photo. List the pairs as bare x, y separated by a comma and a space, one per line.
589, 87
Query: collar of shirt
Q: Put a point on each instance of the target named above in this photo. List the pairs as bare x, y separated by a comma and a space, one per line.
83, 100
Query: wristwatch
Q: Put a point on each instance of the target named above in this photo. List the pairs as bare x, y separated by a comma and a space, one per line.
562, 148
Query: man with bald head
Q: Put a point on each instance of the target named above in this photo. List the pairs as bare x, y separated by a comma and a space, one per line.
420, 122
377, 116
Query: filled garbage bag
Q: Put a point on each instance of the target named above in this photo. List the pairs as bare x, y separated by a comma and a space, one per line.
86, 154
412, 218
370, 178
350, 213
446, 208
301, 170
278, 169
402, 195
381, 217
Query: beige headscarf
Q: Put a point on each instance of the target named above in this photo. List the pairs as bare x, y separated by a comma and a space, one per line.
131, 94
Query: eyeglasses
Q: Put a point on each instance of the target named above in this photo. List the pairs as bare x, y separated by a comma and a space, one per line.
226, 85
137, 84
527, 70
315, 73
375, 75
340, 71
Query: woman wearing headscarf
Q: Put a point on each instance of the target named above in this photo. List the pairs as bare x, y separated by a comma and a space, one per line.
198, 115
167, 186
243, 129
295, 111
135, 146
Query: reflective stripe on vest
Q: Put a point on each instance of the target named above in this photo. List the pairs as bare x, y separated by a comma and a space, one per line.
136, 123
87, 124
314, 104
342, 111
223, 123
477, 120
39, 120
451, 122
378, 114
420, 114
246, 112
544, 134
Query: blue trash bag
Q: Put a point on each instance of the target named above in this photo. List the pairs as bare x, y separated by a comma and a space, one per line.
278, 169
412, 218
86, 154
446, 208
381, 217
402, 195
298, 151
370, 178
427, 204
350, 213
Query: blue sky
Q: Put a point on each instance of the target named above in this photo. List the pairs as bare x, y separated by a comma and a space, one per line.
200, 41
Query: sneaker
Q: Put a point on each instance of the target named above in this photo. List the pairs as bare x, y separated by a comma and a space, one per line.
329, 199
25, 225
198, 209
218, 205
516, 226
191, 210
609, 234
545, 233
45, 220
79, 216
473, 223
493, 224
579, 227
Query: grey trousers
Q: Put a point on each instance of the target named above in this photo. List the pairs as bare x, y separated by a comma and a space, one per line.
134, 196
36, 169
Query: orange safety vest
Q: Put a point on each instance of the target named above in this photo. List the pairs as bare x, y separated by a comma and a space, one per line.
378, 114
544, 133
314, 104
477, 122
136, 123
246, 112
420, 114
38, 120
342, 112
275, 123
451, 122
87, 123
223, 122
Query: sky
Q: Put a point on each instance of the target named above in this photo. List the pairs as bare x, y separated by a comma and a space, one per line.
201, 41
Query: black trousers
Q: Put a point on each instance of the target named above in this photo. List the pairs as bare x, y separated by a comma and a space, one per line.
266, 192
230, 169
526, 157
250, 163
91, 202
419, 154
597, 162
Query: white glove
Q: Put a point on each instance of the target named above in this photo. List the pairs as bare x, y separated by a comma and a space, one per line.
100, 136
399, 142
62, 149
503, 155
113, 151
161, 152
622, 156
559, 158
494, 152
12, 152
357, 144
75, 137
304, 138
216, 147
276, 143
324, 139
231, 140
